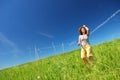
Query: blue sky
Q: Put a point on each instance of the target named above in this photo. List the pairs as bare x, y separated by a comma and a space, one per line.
50, 25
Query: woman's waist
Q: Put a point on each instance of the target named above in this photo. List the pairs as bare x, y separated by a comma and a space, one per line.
86, 46
85, 42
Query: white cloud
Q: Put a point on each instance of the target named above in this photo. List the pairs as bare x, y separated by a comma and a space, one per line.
46, 47
63, 48
109, 18
46, 35
6, 41
10, 46
53, 45
72, 43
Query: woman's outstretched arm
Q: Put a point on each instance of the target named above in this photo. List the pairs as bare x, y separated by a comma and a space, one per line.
79, 41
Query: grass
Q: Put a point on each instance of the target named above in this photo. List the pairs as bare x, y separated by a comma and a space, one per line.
69, 66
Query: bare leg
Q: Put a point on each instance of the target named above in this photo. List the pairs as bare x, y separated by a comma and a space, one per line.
86, 62
91, 59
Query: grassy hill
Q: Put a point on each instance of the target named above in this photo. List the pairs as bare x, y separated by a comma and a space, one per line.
69, 66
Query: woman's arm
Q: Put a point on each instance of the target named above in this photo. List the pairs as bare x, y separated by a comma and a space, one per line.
79, 41
88, 31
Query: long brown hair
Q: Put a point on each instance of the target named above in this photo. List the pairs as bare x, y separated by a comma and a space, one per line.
80, 30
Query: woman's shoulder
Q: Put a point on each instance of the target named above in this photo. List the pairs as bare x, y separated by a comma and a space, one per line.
80, 36
85, 35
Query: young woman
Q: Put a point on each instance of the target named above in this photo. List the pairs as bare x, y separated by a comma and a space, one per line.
86, 50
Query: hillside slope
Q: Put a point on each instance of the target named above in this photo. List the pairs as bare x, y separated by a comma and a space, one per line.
69, 66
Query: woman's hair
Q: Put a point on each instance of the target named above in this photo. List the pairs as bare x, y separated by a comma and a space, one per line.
80, 30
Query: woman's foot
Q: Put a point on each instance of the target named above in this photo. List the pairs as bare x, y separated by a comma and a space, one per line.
86, 62
91, 59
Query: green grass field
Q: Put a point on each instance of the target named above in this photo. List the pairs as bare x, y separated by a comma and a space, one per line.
69, 66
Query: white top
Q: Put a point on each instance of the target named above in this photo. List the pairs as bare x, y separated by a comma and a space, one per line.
83, 39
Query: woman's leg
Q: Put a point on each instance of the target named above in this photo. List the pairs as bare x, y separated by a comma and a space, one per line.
86, 62
91, 58
83, 56
89, 53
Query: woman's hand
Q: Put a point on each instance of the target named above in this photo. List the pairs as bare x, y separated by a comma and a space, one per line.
78, 43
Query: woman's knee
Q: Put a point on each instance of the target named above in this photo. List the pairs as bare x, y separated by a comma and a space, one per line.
83, 58
91, 57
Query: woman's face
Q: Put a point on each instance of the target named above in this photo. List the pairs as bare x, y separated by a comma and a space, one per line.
83, 30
